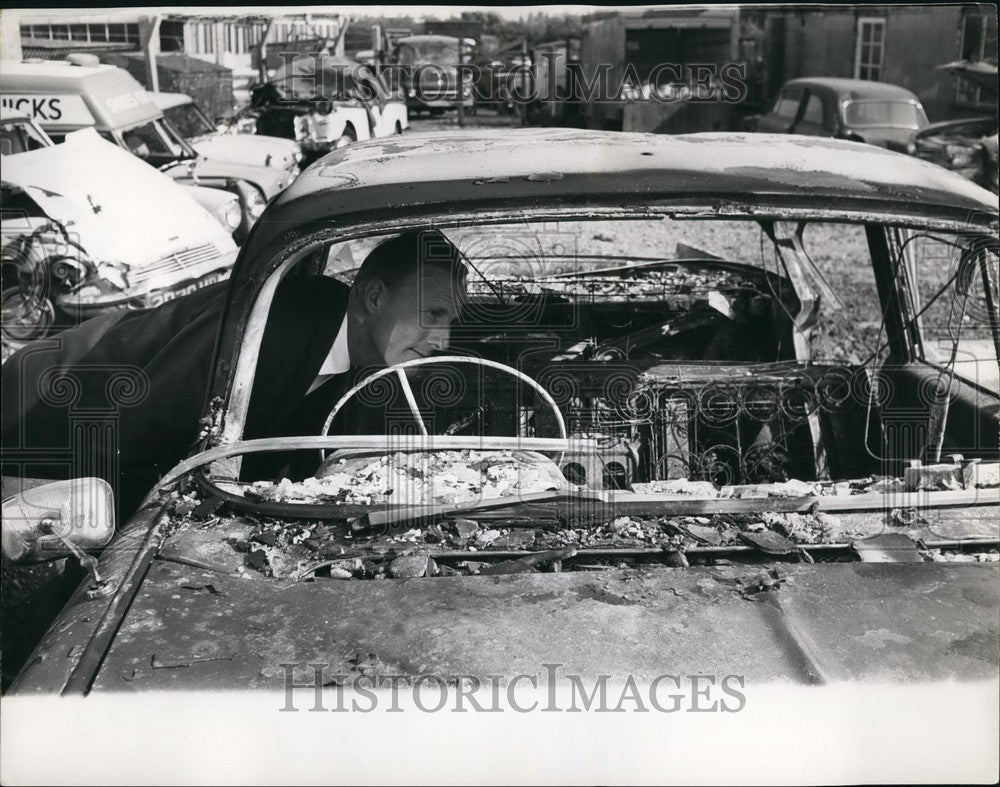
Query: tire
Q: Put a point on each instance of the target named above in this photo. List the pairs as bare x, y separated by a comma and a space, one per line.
27, 310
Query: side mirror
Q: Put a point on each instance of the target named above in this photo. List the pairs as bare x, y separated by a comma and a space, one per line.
56, 519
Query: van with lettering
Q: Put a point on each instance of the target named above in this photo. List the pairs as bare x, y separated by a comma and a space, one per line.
85, 228
63, 97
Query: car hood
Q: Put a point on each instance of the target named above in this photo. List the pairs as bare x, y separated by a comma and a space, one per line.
120, 208
979, 126
198, 629
266, 179
264, 151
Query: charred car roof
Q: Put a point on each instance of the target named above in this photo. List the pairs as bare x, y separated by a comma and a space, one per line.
544, 167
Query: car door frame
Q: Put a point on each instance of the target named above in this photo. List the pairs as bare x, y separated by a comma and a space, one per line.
911, 389
825, 126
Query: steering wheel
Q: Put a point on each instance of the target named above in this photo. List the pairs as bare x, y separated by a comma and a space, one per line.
399, 370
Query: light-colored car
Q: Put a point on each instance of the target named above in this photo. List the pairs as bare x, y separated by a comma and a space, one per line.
87, 228
860, 110
64, 97
327, 102
188, 118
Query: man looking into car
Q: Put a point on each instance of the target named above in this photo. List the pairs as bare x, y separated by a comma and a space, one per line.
319, 334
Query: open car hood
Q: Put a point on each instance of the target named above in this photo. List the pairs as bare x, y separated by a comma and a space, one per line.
121, 209
300, 79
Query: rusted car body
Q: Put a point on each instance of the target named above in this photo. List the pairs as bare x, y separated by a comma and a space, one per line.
662, 565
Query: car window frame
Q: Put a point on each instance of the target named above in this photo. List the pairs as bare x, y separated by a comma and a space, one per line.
798, 106
240, 370
921, 114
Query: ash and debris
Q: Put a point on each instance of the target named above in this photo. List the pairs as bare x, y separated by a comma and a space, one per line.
420, 478
345, 548
332, 549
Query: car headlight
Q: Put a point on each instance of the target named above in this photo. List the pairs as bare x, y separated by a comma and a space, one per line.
255, 204
961, 157
298, 156
115, 274
233, 216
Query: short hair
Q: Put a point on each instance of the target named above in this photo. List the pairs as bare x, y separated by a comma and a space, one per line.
393, 260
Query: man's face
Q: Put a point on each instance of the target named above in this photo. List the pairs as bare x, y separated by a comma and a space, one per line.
413, 318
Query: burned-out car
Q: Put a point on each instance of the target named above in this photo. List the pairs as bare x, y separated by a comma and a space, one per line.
715, 402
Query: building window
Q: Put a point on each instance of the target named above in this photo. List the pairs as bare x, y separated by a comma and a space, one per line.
868, 48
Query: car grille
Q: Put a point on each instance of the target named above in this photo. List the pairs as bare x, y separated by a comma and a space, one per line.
174, 263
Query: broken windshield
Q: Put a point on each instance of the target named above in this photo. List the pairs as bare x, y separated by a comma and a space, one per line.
716, 352
722, 385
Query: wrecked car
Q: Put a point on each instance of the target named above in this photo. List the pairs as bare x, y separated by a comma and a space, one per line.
63, 97
325, 102
716, 402
77, 243
857, 109
967, 146
179, 109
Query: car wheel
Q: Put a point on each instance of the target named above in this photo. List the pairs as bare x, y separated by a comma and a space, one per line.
25, 318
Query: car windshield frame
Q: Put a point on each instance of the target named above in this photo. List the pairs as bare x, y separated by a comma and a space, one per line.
26, 133
192, 111
235, 362
170, 137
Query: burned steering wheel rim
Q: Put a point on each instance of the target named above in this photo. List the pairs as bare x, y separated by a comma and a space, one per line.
399, 370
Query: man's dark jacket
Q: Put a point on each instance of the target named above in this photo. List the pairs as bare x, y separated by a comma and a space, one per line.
121, 395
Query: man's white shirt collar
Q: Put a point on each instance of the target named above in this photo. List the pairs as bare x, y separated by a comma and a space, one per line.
338, 360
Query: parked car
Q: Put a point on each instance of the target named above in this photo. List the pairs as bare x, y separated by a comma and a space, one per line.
63, 97
326, 102
86, 228
426, 69
662, 402
874, 112
283, 155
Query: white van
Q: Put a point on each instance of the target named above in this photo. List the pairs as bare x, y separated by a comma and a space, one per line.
63, 97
